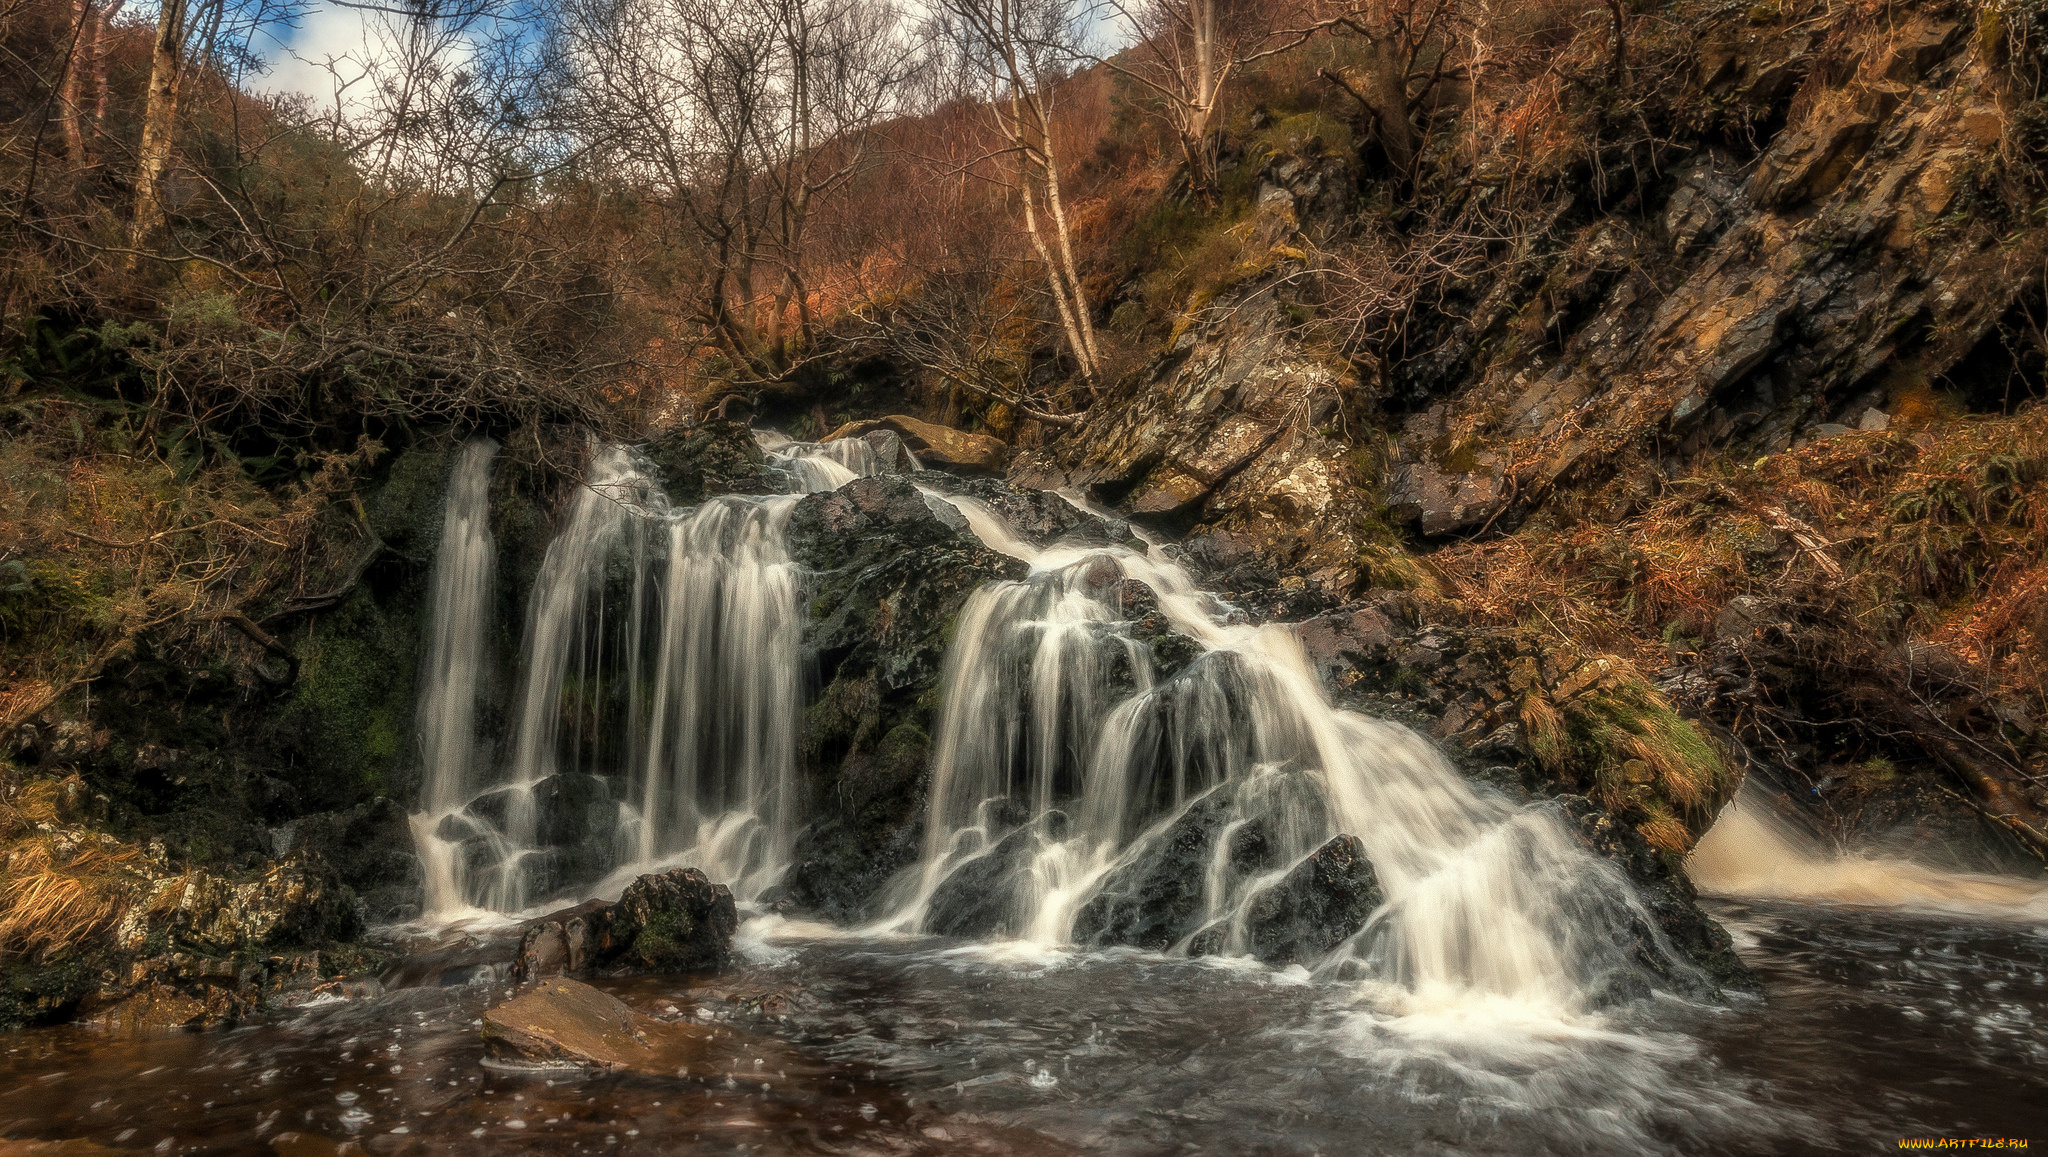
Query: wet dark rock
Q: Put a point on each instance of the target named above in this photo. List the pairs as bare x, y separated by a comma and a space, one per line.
370, 847
1170, 651
546, 950
1156, 901
708, 459
889, 572
1671, 901
1039, 517
676, 921
979, 898
576, 820
1324, 901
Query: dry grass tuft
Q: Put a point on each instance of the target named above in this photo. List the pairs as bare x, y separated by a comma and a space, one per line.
53, 899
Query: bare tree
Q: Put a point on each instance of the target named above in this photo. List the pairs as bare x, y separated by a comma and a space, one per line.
739, 118
1413, 47
1183, 52
166, 80
1009, 54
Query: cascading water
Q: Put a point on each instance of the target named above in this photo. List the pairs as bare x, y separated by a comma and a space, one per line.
1061, 768
1752, 852
655, 721
718, 787
451, 679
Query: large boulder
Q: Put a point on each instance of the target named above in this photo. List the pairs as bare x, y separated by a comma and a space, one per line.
979, 897
710, 458
296, 903
889, 572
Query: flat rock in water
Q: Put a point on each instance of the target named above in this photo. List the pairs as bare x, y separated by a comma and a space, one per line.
563, 1021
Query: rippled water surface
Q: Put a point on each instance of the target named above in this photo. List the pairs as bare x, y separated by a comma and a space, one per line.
1876, 1026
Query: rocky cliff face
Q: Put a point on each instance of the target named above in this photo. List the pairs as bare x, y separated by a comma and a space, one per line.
1817, 231
1744, 303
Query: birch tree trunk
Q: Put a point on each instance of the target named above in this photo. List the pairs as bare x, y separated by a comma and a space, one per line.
153, 155
70, 92
102, 19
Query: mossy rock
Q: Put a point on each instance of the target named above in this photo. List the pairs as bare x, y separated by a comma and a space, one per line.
710, 458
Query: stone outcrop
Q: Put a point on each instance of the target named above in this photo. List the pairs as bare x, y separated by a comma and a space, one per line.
936, 445
173, 948
890, 570
1671, 901
710, 458
676, 921
1526, 713
1756, 305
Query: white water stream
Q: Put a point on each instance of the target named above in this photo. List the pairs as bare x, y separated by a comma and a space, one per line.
451, 679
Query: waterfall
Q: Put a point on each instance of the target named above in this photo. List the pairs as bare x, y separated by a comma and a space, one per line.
718, 789
451, 679
656, 713
606, 512
1061, 768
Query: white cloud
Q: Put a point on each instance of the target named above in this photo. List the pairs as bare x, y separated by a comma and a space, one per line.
330, 48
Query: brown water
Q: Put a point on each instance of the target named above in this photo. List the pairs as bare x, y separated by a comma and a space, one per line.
1876, 1026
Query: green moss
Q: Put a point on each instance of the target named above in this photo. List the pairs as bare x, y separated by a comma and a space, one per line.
1457, 455
1623, 720
1306, 134
406, 510
351, 710
664, 941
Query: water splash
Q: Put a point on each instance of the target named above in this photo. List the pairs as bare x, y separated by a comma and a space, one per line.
1752, 852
